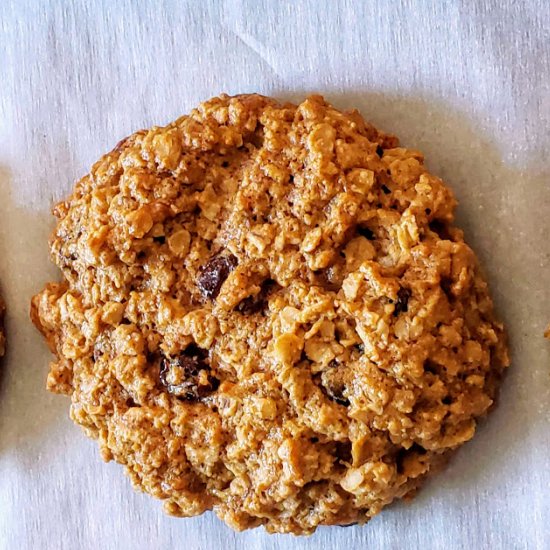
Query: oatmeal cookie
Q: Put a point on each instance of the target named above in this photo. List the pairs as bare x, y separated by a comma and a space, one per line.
266, 311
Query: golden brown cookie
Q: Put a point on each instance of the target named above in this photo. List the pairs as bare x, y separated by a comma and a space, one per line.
267, 311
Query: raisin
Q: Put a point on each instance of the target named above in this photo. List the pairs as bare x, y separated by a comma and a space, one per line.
214, 273
400, 459
336, 395
447, 287
402, 303
257, 137
431, 367
379, 151
365, 232
441, 228
257, 302
403, 453
342, 451
181, 375
333, 386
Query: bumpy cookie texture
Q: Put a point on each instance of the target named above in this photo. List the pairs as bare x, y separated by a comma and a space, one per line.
266, 311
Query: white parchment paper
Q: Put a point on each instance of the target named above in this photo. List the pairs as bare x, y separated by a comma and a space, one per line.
466, 82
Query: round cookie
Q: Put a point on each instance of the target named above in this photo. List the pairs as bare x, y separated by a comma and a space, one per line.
266, 311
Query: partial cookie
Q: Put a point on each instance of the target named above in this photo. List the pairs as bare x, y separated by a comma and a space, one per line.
267, 311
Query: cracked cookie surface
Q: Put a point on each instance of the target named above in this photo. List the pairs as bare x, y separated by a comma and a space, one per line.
266, 311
